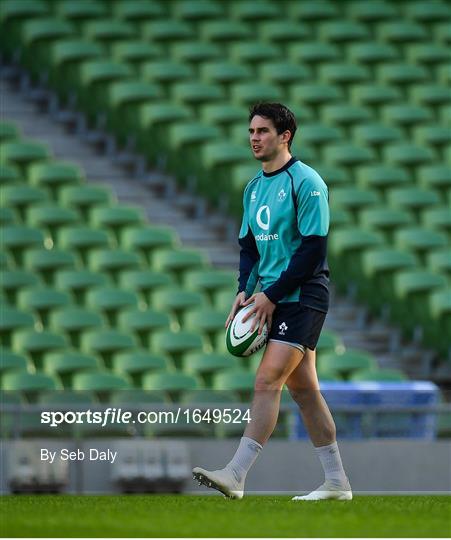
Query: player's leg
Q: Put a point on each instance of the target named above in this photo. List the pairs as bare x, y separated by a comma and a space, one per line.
278, 361
304, 389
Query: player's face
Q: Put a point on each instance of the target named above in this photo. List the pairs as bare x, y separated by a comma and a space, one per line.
265, 142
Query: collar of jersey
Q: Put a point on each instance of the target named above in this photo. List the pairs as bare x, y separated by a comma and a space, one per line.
287, 165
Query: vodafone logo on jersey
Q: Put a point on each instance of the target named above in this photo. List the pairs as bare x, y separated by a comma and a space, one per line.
263, 218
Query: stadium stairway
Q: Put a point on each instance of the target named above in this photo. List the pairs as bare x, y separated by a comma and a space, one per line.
208, 230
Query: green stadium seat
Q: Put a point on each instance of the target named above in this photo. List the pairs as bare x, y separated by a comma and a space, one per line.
348, 363
408, 154
194, 93
248, 93
37, 344
224, 298
374, 95
84, 198
378, 375
436, 176
381, 177
342, 73
113, 261
312, 12
146, 238
385, 219
17, 238
412, 288
9, 175
82, 240
110, 301
440, 261
380, 265
405, 115
178, 261
333, 175
195, 52
12, 320
246, 11
202, 397
6, 262
426, 12
319, 134
401, 74
372, 12
138, 362
350, 155
371, 52
209, 281
107, 31
9, 131
224, 31
443, 32
78, 282
72, 321
51, 218
401, 32
420, 240
145, 282
166, 31
116, 218
21, 197
340, 218
375, 134
237, 380
353, 199
68, 363
37, 35
81, 11
12, 16
137, 396
42, 300
224, 73
316, 94
440, 309
143, 323
30, 385
414, 199
312, 53
283, 32
47, 262
223, 114
206, 365
135, 52
438, 218
330, 342
208, 321
173, 384
176, 344
12, 281
431, 95
342, 31
283, 73
101, 383
166, 73
122, 107
138, 11
177, 300
106, 343
432, 135
12, 362
253, 53
344, 114
428, 54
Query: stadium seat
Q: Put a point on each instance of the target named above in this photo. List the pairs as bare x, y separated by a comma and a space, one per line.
42, 300
72, 321
347, 363
11, 321
283, 32
166, 31
7, 216
9, 175
195, 52
110, 301
248, 93
84, 198
438, 332
312, 53
347, 154
401, 32
176, 344
426, 12
344, 114
207, 365
386, 220
46, 262
50, 218
24, 153
9, 131
428, 94
209, 322
165, 74
209, 281
22, 197
146, 238
143, 323
440, 261
78, 282
253, 53
420, 240
137, 363
113, 261
436, 176
342, 31
401, 74
173, 384
428, 54
237, 380
353, 199
12, 281
101, 383
432, 135
82, 12
105, 343
374, 95
378, 375
81, 240
135, 53
30, 385
312, 12
178, 261
405, 115
138, 11
413, 199
381, 177
107, 31
144, 282
408, 154
223, 73
66, 364
330, 342
177, 301
12, 362
37, 344
116, 218
375, 134
370, 52
245, 11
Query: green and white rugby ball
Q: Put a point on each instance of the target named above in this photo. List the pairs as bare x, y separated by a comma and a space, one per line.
240, 340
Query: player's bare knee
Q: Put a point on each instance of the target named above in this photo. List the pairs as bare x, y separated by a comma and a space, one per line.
268, 381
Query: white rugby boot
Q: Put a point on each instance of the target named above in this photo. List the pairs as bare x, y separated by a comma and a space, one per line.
329, 490
224, 480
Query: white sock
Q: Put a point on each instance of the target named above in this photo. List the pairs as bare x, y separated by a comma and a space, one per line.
331, 461
244, 457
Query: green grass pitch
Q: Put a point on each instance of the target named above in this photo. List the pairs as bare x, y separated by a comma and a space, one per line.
213, 516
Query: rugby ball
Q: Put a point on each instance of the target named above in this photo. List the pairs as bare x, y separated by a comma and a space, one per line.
240, 340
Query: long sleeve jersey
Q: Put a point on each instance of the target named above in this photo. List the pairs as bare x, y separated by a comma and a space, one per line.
283, 236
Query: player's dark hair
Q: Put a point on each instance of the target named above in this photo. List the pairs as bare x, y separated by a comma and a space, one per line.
281, 116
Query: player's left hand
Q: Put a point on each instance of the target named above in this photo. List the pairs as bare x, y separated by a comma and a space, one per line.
263, 311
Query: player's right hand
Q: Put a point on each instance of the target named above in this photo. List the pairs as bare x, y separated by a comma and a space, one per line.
239, 301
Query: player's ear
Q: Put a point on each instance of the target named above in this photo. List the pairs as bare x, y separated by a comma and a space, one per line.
286, 136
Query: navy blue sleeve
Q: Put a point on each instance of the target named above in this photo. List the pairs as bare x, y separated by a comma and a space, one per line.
302, 267
249, 256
